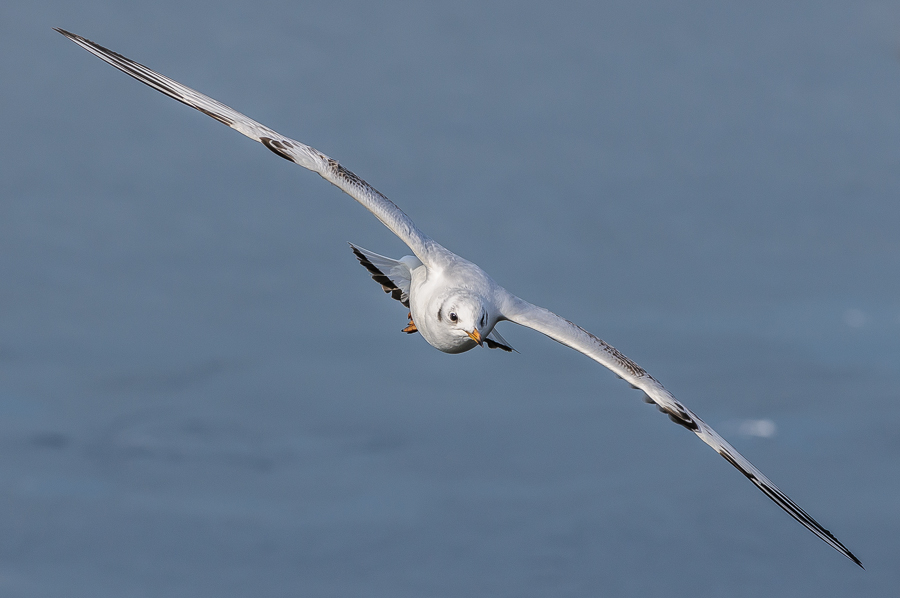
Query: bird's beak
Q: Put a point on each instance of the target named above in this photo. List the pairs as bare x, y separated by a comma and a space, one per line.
476, 336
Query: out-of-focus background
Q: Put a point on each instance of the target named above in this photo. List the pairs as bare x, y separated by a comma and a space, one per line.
203, 394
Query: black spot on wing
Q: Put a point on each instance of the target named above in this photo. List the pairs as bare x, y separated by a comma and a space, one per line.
682, 419
678, 415
378, 276
277, 147
492, 344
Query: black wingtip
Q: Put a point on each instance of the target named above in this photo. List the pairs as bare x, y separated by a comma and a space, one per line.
492, 344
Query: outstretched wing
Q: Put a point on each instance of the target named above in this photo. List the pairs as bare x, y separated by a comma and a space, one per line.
565, 332
329, 169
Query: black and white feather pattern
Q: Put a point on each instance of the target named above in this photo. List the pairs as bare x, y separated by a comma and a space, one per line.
328, 168
392, 275
431, 254
576, 337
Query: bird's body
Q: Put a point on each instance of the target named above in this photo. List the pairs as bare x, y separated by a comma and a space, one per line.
456, 287
452, 302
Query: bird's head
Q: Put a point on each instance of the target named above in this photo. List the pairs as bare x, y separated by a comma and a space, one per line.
464, 314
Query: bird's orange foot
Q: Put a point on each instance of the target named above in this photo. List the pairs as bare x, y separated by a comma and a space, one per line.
412, 325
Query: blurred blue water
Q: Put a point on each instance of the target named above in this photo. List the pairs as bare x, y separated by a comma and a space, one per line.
202, 393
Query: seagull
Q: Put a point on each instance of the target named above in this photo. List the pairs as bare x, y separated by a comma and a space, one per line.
452, 302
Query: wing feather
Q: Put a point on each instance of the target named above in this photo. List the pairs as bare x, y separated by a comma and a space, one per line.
569, 334
517, 310
328, 168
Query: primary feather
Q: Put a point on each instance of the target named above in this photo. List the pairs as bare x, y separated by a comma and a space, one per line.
438, 281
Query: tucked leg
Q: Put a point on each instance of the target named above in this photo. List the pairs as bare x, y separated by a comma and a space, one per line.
412, 325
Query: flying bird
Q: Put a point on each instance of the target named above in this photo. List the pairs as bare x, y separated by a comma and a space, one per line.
452, 302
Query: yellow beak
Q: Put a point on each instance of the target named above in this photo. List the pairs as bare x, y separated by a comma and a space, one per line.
476, 336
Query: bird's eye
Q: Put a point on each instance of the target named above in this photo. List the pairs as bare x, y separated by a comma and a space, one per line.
453, 316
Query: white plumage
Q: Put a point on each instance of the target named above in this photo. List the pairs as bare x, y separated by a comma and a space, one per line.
453, 303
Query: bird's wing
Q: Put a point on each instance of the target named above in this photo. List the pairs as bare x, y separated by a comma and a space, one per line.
394, 276
565, 332
329, 169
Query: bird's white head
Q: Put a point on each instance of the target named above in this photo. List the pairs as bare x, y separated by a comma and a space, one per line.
465, 320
